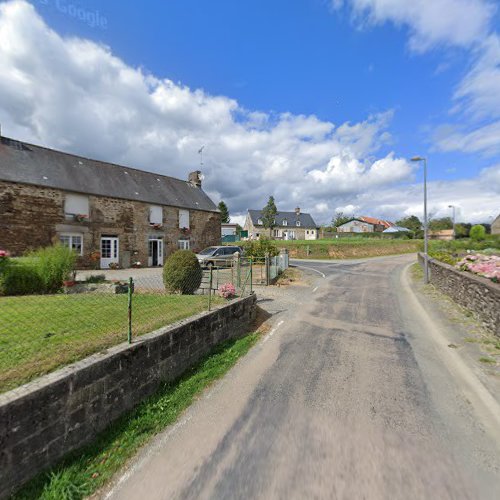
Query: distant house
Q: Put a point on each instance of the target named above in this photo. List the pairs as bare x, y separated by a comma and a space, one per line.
228, 229
109, 214
288, 226
495, 226
364, 224
443, 234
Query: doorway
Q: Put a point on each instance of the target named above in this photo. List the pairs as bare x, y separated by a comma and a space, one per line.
109, 251
155, 255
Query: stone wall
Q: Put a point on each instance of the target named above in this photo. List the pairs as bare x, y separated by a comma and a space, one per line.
477, 294
45, 419
33, 216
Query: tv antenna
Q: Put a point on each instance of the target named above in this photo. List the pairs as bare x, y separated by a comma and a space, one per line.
200, 152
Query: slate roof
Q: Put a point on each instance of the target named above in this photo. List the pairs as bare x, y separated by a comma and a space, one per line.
305, 219
396, 229
36, 165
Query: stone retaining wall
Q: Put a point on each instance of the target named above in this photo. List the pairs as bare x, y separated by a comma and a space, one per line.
42, 421
479, 295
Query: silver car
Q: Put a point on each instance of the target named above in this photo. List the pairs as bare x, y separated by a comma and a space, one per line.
218, 256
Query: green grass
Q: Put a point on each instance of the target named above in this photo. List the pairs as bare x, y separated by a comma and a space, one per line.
348, 248
487, 360
84, 472
41, 333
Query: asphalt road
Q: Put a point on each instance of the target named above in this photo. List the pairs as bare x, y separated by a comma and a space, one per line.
348, 396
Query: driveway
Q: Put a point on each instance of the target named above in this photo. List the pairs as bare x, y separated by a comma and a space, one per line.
350, 395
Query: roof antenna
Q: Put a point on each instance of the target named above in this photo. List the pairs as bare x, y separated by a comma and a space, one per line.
200, 152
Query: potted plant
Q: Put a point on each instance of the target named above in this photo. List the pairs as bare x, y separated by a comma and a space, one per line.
81, 217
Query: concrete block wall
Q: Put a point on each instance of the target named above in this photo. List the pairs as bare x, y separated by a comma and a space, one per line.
42, 421
478, 294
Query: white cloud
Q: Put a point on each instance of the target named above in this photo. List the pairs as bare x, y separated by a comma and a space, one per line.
431, 22
76, 95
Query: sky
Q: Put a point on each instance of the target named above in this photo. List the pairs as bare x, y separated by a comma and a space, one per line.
320, 103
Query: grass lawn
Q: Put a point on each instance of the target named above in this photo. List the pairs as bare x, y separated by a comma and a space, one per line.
348, 248
86, 471
41, 333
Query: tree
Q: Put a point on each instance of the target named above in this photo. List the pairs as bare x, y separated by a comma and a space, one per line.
339, 218
462, 230
441, 224
412, 223
269, 214
224, 213
478, 232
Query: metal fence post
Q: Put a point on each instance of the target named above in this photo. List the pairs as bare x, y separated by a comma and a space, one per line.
237, 263
251, 275
210, 289
129, 292
268, 269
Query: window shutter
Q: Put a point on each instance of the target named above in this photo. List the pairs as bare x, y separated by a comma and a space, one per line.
76, 204
155, 214
184, 218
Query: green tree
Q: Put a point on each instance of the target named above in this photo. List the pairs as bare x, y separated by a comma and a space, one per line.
477, 232
441, 224
462, 230
224, 213
412, 223
339, 218
269, 214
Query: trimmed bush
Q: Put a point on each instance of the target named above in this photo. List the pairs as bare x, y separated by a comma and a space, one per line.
477, 232
182, 273
21, 279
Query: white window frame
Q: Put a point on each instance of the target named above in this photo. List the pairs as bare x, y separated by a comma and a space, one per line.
70, 237
285, 222
156, 215
76, 204
259, 222
297, 223
183, 218
183, 244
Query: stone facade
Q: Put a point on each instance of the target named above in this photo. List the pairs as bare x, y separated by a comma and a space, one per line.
34, 216
475, 293
60, 412
495, 227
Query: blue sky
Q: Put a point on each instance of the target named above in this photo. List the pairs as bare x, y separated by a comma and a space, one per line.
317, 102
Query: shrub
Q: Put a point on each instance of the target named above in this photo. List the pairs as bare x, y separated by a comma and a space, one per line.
258, 249
96, 278
182, 272
477, 232
4, 261
21, 279
54, 264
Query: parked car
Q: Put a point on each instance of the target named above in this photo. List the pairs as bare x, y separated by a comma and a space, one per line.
218, 256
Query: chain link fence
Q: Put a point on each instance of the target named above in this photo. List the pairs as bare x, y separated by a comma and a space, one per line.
100, 309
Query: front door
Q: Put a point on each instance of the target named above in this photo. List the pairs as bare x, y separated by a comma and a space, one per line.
109, 251
155, 252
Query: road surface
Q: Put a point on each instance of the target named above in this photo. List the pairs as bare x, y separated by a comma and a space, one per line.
349, 396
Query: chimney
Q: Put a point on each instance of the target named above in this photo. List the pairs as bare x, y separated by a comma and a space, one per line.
297, 211
195, 178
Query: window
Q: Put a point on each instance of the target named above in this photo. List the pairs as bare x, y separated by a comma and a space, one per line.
259, 222
156, 214
297, 223
74, 241
184, 219
307, 232
76, 204
277, 233
183, 244
285, 222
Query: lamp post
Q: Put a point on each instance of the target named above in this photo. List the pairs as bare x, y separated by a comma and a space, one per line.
426, 223
453, 208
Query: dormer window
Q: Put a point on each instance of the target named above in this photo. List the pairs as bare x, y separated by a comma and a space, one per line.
285, 222
297, 223
259, 222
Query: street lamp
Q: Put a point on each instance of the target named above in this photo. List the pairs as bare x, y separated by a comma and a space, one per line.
453, 207
426, 224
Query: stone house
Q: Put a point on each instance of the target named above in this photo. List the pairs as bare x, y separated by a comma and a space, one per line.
109, 214
495, 226
289, 226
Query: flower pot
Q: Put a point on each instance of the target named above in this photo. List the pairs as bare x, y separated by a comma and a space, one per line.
68, 283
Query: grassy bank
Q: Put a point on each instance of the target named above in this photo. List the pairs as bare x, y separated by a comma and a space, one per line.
451, 252
84, 472
41, 333
348, 248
